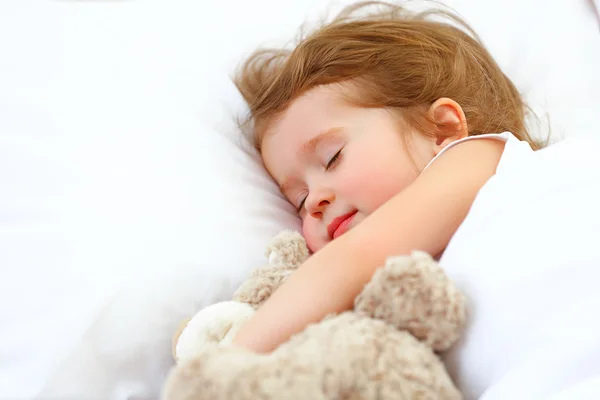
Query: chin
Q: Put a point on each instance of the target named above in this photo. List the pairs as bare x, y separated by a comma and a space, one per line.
312, 244
315, 245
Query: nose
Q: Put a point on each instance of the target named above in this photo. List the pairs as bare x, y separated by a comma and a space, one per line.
317, 201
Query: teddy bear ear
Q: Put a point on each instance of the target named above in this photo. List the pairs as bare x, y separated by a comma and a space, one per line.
287, 248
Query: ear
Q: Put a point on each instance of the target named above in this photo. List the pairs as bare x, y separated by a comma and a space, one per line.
450, 122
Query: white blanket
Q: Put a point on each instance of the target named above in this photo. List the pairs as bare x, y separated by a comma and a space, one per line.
527, 258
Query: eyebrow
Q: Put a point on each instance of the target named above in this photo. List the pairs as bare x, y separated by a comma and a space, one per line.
310, 146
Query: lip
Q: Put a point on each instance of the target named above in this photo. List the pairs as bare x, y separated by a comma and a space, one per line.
340, 224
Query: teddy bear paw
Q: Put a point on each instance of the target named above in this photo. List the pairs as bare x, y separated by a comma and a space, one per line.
413, 293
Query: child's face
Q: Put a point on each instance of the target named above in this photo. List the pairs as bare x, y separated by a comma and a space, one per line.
338, 163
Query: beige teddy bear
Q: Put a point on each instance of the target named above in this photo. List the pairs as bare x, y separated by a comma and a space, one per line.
385, 348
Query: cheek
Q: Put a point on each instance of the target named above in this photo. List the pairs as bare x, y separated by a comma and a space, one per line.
311, 234
374, 183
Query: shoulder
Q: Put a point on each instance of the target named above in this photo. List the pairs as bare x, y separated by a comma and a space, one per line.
430, 209
483, 152
472, 162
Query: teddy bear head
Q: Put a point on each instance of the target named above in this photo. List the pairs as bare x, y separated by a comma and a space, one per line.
286, 252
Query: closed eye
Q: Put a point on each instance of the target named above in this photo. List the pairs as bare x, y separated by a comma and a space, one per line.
329, 165
333, 160
301, 206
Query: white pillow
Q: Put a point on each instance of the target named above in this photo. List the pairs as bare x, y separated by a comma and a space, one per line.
126, 202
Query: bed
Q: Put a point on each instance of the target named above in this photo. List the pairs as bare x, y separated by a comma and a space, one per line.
128, 201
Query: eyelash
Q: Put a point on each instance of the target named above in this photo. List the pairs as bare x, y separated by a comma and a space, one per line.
299, 209
330, 164
333, 160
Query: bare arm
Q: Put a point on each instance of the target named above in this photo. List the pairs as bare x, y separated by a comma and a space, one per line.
422, 217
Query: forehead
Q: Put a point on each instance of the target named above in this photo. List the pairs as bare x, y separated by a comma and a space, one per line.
316, 111
311, 110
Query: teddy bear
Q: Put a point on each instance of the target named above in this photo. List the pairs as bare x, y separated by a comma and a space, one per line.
386, 347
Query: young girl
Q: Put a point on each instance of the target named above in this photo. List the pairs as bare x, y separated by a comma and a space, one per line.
381, 129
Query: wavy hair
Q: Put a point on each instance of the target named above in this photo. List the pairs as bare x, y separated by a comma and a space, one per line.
387, 57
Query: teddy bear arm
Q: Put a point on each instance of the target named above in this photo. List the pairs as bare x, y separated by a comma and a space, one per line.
413, 293
258, 288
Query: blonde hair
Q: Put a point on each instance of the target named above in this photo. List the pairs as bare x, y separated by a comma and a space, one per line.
389, 58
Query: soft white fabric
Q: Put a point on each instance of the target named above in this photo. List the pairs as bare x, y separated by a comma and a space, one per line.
217, 324
526, 257
125, 201
514, 149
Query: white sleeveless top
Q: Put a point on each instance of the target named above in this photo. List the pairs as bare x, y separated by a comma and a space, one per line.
513, 149
526, 258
